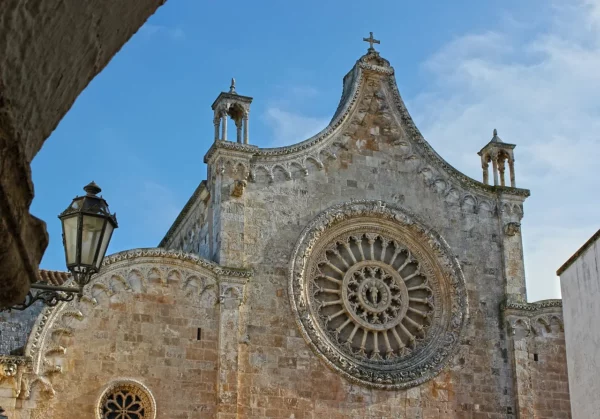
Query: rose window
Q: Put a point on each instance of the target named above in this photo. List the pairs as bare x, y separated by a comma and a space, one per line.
377, 295
372, 297
126, 400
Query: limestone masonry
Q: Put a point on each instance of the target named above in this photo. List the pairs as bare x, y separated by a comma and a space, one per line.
352, 275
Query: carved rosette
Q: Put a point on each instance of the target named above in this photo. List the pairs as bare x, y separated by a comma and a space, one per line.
127, 399
378, 296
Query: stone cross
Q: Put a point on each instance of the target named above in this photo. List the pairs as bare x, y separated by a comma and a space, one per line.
371, 41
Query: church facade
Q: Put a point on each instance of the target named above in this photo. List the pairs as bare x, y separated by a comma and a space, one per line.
352, 275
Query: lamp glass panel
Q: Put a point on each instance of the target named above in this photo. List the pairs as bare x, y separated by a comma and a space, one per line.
107, 234
90, 238
70, 232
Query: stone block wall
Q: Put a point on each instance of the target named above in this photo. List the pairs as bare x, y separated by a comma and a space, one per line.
539, 359
153, 320
15, 327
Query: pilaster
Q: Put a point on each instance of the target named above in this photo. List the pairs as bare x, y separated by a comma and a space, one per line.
229, 168
231, 297
510, 213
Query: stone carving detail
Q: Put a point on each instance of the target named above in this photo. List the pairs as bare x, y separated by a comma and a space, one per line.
533, 319
231, 292
126, 400
511, 229
8, 367
370, 294
238, 188
377, 295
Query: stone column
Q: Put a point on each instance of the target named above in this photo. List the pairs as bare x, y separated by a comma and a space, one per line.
485, 166
216, 122
501, 169
224, 128
238, 125
511, 168
245, 129
230, 298
495, 169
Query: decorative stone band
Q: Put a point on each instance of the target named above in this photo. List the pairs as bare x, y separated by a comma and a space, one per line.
532, 318
177, 254
9, 365
377, 295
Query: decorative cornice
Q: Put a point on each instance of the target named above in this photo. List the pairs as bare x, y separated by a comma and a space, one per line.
6, 360
523, 320
531, 308
230, 146
179, 255
436, 160
188, 205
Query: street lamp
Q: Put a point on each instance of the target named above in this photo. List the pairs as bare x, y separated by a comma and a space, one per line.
87, 226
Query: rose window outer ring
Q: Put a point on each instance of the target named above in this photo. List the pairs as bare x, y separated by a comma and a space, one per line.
377, 295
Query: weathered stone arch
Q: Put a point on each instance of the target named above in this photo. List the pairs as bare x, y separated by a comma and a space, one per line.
125, 330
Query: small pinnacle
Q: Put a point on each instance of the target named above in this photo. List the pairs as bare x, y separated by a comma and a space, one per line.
232, 87
92, 189
495, 132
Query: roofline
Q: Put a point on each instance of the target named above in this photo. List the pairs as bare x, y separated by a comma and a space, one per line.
241, 98
578, 253
183, 213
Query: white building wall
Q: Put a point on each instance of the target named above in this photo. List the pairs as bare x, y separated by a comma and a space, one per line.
580, 285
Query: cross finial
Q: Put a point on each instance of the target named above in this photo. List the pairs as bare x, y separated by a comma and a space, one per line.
232, 87
371, 41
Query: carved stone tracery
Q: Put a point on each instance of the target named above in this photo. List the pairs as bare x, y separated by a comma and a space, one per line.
378, 296
126, 400
370, 294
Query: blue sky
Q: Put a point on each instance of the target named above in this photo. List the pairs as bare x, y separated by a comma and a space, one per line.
530, 69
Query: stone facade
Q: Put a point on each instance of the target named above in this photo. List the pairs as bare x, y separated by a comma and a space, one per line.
353, 275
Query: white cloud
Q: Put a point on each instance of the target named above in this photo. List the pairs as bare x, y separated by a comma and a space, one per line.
289, 128
542, 92
150, 30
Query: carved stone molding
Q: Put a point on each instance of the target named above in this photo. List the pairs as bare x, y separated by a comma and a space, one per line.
127, 399
179, 255
230, 292
377, 295
533, 319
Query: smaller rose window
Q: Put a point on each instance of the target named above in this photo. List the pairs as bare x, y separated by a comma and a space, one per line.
126, 400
